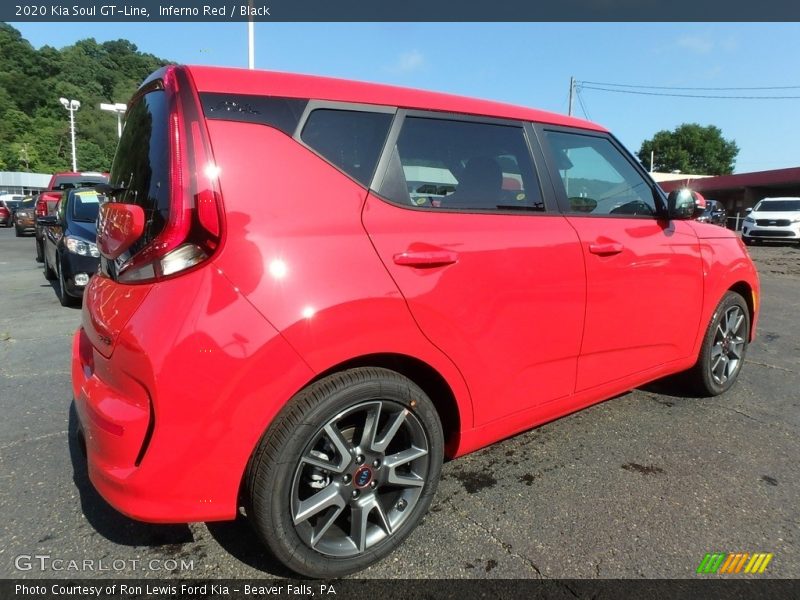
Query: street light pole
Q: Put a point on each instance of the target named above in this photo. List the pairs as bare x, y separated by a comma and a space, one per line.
72, 106
119, 109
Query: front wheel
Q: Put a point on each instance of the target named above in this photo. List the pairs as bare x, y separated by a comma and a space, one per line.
724, 348
345, 472
63, 296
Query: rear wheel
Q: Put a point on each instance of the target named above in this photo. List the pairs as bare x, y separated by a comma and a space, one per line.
724, 348
345, 472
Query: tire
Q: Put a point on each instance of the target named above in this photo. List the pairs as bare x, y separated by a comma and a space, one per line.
727, 337
321, 441
17, 231
747, 241
49, 273
63, 297
39, 251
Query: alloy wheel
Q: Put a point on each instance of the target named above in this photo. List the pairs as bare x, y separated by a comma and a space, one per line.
727, 349
359, 478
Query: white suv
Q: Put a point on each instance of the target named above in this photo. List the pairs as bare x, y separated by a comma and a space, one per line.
773, 219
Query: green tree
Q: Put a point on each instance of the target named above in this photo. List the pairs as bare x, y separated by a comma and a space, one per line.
34, 127
690, 148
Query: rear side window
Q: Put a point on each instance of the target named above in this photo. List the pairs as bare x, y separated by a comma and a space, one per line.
141, 163
351, 140
597, 178
462, 165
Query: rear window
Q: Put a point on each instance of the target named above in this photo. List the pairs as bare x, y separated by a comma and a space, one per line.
351, 140
141, 163
66, 182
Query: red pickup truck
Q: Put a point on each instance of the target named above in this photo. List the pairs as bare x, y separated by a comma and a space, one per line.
48, 199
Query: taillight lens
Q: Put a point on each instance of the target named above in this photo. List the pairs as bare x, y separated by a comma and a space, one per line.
194, 226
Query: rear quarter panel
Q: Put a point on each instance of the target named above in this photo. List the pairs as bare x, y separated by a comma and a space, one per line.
295, 247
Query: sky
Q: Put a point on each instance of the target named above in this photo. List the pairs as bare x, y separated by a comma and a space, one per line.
523, 63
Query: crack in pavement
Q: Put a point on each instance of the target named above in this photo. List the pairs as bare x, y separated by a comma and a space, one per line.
33, 439
767, 365
505, 546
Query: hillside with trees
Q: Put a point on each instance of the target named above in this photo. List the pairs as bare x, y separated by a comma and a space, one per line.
34, 127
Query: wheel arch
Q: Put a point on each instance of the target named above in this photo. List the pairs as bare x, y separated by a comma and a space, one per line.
746, 291
426, 377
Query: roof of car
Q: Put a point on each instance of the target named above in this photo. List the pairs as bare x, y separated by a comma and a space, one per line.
289, 85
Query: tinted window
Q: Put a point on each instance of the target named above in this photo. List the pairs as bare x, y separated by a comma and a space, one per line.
66, 182
597, 178
85, 205
351, 140
141, 163
777, 205
464, 165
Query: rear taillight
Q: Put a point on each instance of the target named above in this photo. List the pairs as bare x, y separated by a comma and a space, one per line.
41, 203
194, 226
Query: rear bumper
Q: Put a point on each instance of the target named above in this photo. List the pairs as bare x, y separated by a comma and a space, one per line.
172, 412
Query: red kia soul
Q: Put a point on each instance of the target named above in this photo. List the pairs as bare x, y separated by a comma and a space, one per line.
313, 291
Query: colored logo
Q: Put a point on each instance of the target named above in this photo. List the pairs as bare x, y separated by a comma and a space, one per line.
363, 476
736, 562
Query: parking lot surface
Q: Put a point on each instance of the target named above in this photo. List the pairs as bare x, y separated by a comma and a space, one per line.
643, 485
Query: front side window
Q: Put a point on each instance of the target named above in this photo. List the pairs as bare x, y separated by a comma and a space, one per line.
461, 165
597, 178
351, 140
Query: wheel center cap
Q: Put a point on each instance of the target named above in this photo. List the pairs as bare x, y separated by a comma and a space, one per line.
362, 477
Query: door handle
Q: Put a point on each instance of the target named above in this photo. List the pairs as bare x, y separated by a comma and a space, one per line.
425, 258
605, 249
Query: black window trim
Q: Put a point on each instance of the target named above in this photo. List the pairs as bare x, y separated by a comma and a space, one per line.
534, 156
659, 198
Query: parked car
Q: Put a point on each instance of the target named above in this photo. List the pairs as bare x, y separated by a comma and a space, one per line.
25, 217
47, 200
772, 219
317, 350
715, 213
8, 204
70, 243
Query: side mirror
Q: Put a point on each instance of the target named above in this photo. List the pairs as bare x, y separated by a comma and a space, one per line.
682, 204
747, 211
47, 221
118, 227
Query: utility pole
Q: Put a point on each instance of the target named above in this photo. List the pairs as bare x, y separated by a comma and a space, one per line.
251, 35
571, 94
71, 106
652, 155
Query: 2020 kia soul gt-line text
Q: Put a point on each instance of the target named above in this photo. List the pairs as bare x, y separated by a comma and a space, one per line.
313, 291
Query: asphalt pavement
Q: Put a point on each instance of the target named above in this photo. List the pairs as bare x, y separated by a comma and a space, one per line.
643, 485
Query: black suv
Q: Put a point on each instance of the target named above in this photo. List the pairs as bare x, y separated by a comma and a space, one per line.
70, 242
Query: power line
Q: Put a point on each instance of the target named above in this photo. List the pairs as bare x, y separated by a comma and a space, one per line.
580, 101
671, 87
715, 96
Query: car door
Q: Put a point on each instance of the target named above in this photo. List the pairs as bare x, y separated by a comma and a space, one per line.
644, 272
492, 273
